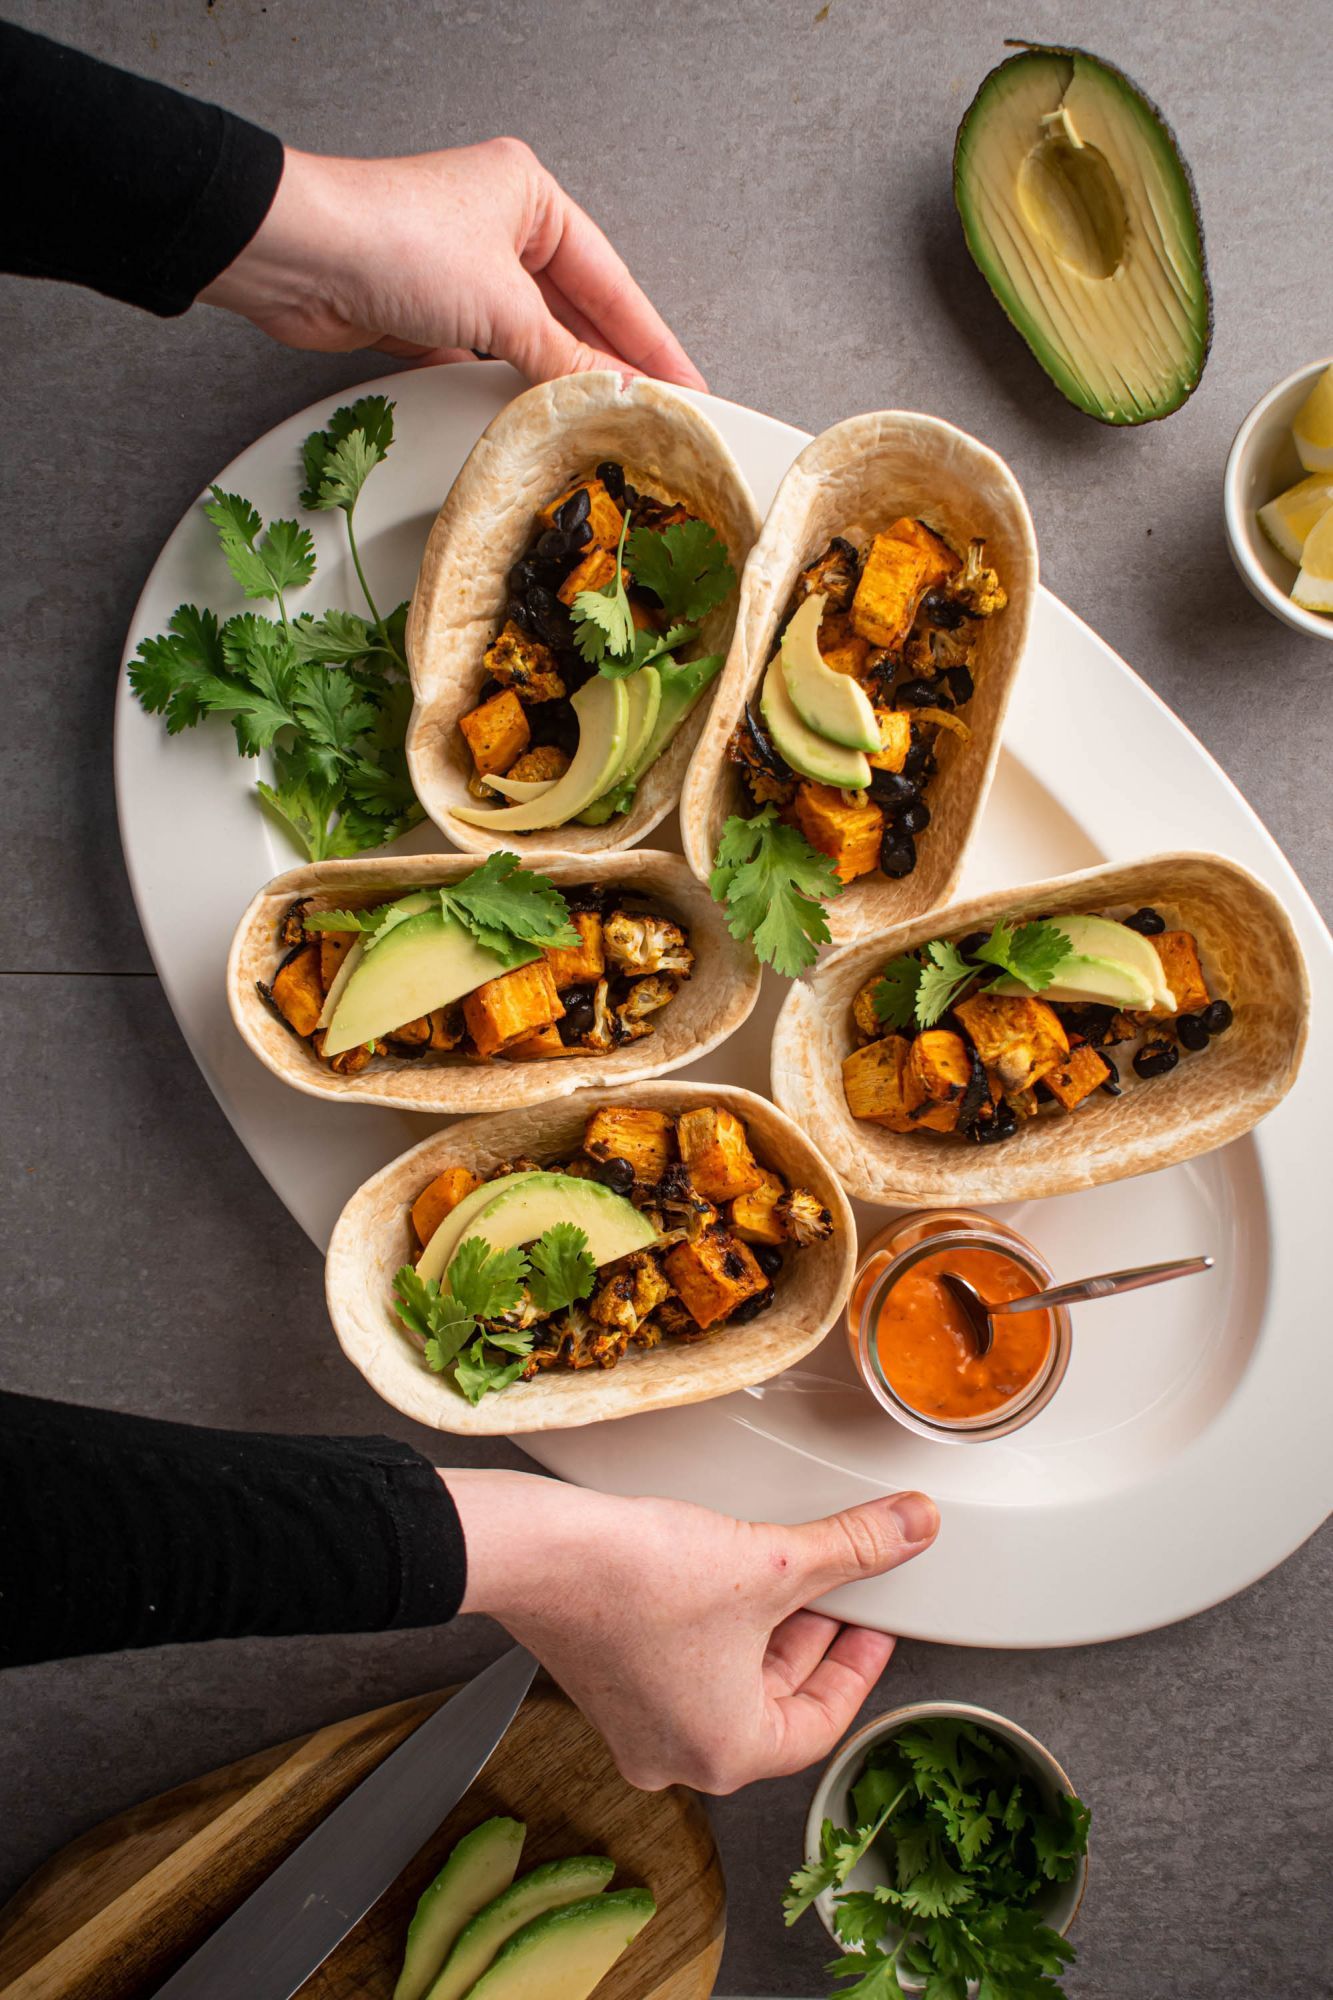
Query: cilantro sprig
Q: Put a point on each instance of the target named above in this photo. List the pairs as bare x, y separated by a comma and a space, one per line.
326, 697
686, 565
508, 908
461, 1323
774, 886
918, 988
969, 1841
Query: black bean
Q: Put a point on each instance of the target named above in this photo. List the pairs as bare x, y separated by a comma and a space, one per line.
1156, 1058
575, 510
612, 477
523, 575
751, 1308
946, 612
618, 1175
516, 613
916, 694
629, 498
768, 1257
554, 546
1042, 1092
553, 722
897, 854
1146, 922
891, 788
1088, 1018
490, 686
549, 616
914, 818
1112, 1083
1217, 1017
1192, 1032
972, 943
961, 685
588, 897
919, 761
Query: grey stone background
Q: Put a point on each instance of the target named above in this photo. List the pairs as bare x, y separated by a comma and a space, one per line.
778, 176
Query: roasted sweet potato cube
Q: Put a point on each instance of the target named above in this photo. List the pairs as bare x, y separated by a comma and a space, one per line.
1076, 1076
593, 573
536, 1048
438, 1198
1181, 968
333, 949
895, 739
497, 732
714, 1146
581, 964
298, 990
647, 1139
937, 1072
547, 761
350, 1061
751, 1215
873, 1082
512, 1007
840, 647
413, 1034
447, 1027
604, 517
713, 1275
1019, 1039
865, 1014
519, 661
905, 560
849, 835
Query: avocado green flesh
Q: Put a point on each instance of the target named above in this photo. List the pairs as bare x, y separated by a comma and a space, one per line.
429, 961
564, 1955
811, 755
536, 1201
681, 688
1079, 212
1111, 965
1094, 981
602, 707
828, 702
480, 1867
644, 694
548, 1888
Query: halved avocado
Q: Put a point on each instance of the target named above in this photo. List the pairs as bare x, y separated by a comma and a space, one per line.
1081, 215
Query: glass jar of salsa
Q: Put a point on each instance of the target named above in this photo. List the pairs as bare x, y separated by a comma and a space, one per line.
912, 1344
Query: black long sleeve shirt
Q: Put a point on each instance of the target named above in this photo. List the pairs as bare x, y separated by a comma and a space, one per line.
120, 1531
121, 184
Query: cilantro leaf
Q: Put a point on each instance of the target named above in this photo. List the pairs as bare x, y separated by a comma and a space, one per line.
486, 1282
337, 638
384, 790
167, 672
477, 1375
504, 906
944, 974
878, 1980
332, 713
339, 459
306, 803
685, 565
339, 920
562, 1268
895, 996
603, 622
264, 564
438, 1320
773, 884
1032, 952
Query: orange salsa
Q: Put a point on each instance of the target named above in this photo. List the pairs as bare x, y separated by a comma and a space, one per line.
927, 1352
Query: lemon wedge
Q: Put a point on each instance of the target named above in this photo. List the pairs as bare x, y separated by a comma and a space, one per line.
1313, 588
1288, 520
1313, 426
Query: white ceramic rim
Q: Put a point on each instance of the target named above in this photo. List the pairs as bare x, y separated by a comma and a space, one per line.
1242, 528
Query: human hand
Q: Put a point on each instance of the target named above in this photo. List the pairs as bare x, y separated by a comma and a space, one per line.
439, 254
682, 1634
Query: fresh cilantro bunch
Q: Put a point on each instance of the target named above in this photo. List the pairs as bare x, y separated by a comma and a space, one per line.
920, 987
970, 1840
470, 1329
687, 566
774, 885
326, 697
509, 909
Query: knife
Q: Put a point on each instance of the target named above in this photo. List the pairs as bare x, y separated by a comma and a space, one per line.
270, 1946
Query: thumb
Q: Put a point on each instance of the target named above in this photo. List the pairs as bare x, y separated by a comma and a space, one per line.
860, 1542
530, 336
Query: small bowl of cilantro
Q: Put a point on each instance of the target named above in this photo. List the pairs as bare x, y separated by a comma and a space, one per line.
945, 1852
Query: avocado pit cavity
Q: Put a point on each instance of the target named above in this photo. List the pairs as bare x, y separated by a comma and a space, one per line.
1071, 199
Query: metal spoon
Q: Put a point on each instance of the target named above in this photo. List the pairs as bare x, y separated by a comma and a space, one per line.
980, 1314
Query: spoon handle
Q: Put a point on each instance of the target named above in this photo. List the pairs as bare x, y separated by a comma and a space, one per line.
1105, 1287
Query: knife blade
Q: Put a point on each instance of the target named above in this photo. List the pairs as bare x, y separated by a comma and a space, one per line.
269, 1946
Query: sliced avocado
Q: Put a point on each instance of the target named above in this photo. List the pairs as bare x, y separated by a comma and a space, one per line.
1110, 964
563, 1955
429, 960
1103, 937
548, 1888
682, 685
602, 707
644, 690
1097, 980
481, 1865
1081, 215
813, 756
828, 702
527, 1209
520, 790
392, 915
435, 1258
338, 984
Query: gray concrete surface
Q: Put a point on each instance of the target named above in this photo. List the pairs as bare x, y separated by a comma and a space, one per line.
777, 174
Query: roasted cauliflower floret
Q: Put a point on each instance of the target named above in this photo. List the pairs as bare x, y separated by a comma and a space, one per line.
638, 943
682, 1205
518, 661
630, 1295
869, 1027
547, 761
804, 1218
976, 586
646, 997
834, 573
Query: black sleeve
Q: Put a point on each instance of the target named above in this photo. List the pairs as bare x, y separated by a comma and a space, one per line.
121, 184
120, 1531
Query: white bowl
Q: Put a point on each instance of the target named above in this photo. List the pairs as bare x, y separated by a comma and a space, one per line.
1262, 463
1057, 1905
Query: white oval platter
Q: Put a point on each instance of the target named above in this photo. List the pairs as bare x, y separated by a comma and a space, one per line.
1187, 1453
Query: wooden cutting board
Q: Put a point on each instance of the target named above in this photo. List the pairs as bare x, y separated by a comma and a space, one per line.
112, 1915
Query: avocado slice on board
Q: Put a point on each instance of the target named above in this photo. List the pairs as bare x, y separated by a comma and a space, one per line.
548, 1888
1080, 213
564, 1955
480, 1866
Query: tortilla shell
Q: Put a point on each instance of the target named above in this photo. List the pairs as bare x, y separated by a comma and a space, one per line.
539, 444
709, 1006
1250, 957
373, 1237
854, 480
